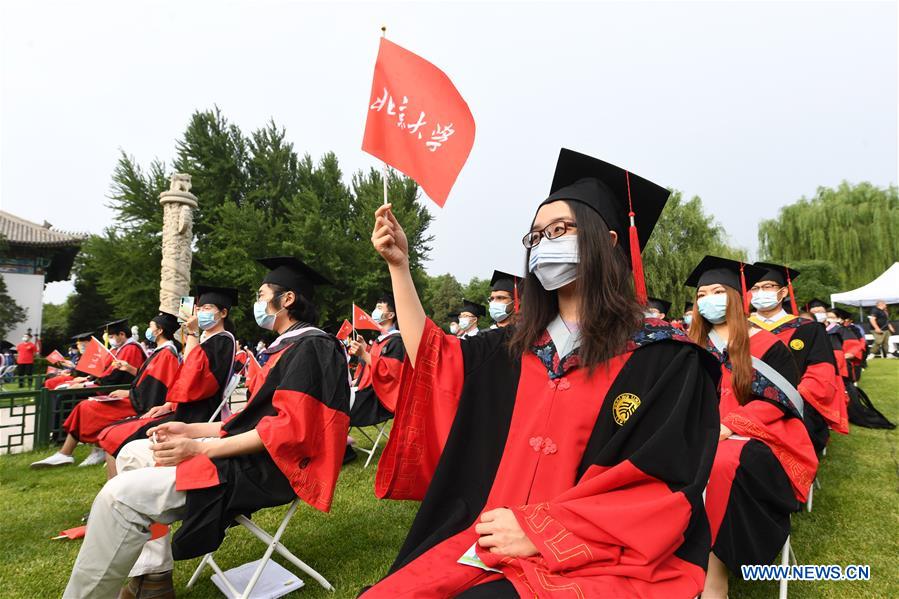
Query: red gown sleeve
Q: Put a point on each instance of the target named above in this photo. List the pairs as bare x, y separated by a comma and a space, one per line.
426, 405
195, 381
387, 370
786, 437
133, 354
818, 387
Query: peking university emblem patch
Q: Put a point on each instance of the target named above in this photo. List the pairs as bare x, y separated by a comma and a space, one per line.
797, 344
623, 406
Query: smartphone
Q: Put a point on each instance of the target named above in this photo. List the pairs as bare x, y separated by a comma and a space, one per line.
186, 309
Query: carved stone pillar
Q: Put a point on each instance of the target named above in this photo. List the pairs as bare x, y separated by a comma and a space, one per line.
178, 205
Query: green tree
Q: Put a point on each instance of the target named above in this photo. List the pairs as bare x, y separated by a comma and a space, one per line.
441, 295
54, 326
817, 279
683, 235
853, 227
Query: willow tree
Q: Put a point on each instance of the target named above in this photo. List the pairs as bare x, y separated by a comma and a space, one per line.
683, 235
853, 226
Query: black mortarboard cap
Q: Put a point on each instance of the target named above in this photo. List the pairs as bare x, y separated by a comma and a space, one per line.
688, 307
841, 313
293, 275
82, 336
223, 297
724, 271
604, 188
777, 273
659, 304
503, 281
816, 303
116, 326
473, 307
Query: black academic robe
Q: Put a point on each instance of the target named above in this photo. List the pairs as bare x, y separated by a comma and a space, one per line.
378, 384
130, 352
299, 406
604, 471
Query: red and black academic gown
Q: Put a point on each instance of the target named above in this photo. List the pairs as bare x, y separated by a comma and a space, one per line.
757, 482
299, 407
603, 472
130, 352
240, 361
379, 383
818, 383
853, 342
89, 418
197, 390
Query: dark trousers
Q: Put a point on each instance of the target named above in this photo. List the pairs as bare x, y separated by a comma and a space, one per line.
24, 370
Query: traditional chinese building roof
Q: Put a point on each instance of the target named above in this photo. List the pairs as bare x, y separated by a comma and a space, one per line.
18, 231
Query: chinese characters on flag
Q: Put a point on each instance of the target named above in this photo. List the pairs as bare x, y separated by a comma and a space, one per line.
417, 121
361, 320
55, 357
96, 359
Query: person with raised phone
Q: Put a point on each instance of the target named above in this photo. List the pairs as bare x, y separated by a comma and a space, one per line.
566, 454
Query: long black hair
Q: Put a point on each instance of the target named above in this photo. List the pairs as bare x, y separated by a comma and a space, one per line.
609, 310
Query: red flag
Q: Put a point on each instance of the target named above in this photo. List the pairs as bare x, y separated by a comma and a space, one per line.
345, 329
253, 367
96, 359
417, 121
361, 320
55, 357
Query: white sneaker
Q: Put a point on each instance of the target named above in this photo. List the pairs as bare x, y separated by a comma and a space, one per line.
97, 456
57, 459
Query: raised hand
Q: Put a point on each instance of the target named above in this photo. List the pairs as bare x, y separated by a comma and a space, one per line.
388, 237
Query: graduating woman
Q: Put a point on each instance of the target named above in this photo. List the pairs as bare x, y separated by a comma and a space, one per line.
196, 393
565, 455
765, 461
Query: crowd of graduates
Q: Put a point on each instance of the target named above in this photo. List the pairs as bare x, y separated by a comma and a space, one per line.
591, 443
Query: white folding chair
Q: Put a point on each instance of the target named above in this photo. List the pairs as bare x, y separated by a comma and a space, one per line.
811, 493
382, 434
274, 544
787, 557
226, 397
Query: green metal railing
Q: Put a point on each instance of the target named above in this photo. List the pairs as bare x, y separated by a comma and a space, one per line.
39, 413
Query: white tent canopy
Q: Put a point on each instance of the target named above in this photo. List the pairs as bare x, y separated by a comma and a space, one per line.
883, 288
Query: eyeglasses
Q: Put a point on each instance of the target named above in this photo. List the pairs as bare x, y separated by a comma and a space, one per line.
550, 231
765, 287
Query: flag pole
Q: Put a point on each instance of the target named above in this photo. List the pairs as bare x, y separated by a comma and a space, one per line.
384, 164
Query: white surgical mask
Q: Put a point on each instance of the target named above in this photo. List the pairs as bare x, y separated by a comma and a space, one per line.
554, 261
464, 323
713, 307
820, 316
764, 300
454, 327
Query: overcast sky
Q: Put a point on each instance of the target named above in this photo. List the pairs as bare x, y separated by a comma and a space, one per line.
749, 105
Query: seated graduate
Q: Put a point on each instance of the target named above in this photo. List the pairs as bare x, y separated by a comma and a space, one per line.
765, 461
123, 349
657, 308
505, 298
148, 389
563, 456
468, 318
208, 364
819, 386
287, 442
81, 340
378, 377
855, 347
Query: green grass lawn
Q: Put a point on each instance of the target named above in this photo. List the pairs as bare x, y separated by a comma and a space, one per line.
855, 521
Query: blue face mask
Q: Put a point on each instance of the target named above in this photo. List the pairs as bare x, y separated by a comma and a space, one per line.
713, 307
499, 311
206, 319
688, 318
149, 336
263, 318
377, 315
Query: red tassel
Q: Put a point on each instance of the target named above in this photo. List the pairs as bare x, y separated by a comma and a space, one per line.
743, 289
515, 292
636, 258
793, 308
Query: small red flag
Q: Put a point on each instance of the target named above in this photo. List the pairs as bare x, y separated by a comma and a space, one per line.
345, 329
361, 320
96, 359
253, 368
417, 121
55, 357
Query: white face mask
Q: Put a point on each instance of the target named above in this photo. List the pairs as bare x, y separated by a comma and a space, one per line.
454, 327
464, 323
820, 316
554, 261
765, 300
